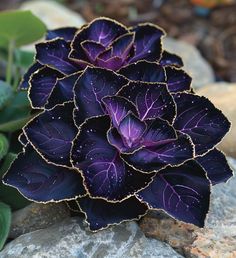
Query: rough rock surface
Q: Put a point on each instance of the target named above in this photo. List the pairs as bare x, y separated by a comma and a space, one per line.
223, 95
70, 239
37, 216
216, 240
194, 63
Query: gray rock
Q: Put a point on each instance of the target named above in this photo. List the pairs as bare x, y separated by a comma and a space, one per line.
194, 63
223, 204
53, 14
37, 216
70, 239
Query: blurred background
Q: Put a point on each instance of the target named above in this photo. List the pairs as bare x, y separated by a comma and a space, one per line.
210, 25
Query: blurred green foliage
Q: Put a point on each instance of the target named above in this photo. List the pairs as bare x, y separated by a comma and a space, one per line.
5, 222
17, 28
20, 27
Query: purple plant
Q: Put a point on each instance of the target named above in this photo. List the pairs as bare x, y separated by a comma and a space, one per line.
121, 131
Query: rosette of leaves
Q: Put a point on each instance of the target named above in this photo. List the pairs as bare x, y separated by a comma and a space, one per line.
120, 131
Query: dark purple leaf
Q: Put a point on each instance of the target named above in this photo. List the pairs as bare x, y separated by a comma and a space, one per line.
114, 63
55, 54
101, 30
105, 55
131, 130
51, 133
156, 157
114, 138
118, 107
171, 59
100, 214
198, 117
144, 71
158, 132
91, 87
24, 84
73, 206
104, 31
81, 58
183, 192
92, 49
121, 46
42, 83
147, 43
105, 173
216, 166
151, 99
67, 33
42, 182
177, 79
63, 90
22, 139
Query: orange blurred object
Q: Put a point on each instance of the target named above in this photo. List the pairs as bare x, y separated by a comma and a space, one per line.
211, 3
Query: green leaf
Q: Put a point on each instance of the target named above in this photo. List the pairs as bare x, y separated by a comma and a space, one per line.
10, 157
21, 27
4, 145
14, 125
16, 114
20, 100
5, 222
3, 55
6, 93
8, 194
24, 58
